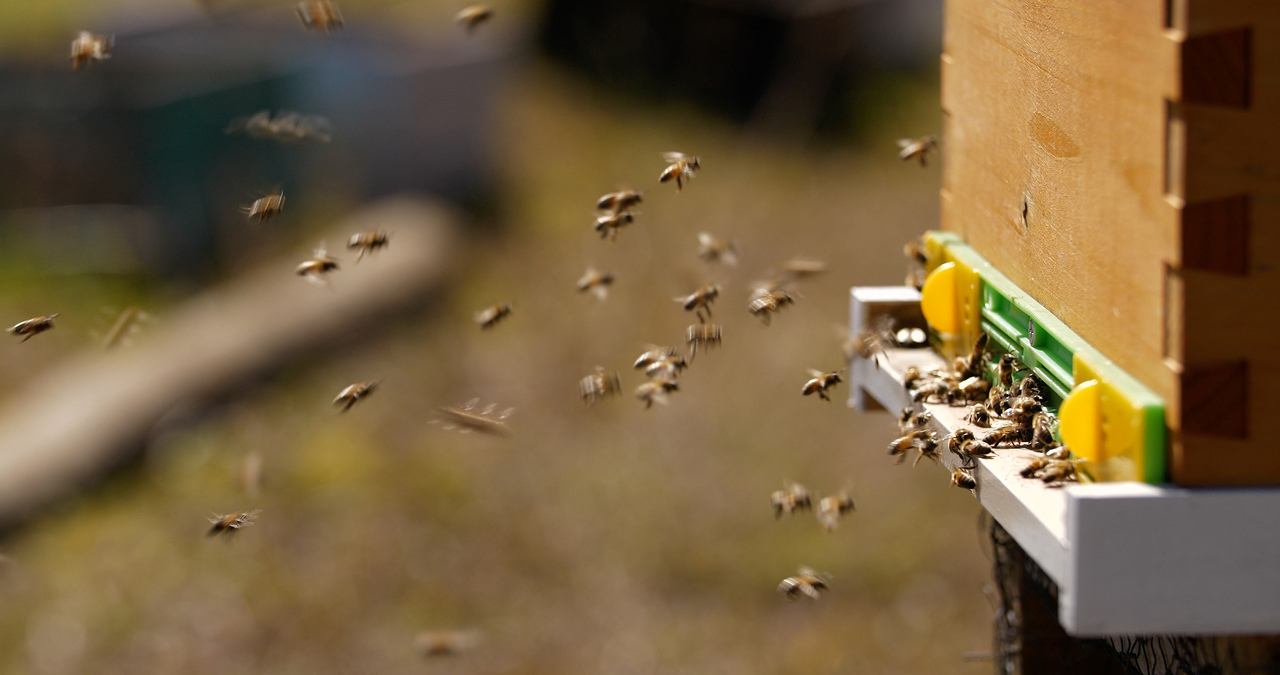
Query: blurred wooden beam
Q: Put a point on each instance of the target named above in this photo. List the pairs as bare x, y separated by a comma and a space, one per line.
90, 413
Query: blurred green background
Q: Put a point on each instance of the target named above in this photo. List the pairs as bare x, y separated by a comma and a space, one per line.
608, 539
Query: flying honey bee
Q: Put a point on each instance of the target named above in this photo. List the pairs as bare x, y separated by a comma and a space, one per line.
702, 335
681, 167
799, 268
446, 642
911, 420
264, 208
353, 393
88, 47
667, 368
768, 304
489, 316
609, 224
832, 508
655, 391
923, 440
791, 498
315, 268
806, 582
653, 354
32, 327
714, 249
819, 382
916, 262
232, 522
620, 201
700, 300
597, 283
320, 15
467, 418
598, 385
917, 148
962, 478
285, 127
367, 242
473, 16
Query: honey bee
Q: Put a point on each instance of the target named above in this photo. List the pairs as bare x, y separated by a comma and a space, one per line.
910, 420
958, 437
666, 368
609, 224
806, 582
700, 300
1042, 432
971, 390
932, 390
1009, 434
653, 354
979, 416
1058, 451
916, 262
977, 355
620, 201
924, 440
962, 478
831, 508
473, 16
367, 242
972, 449
352, 393
791, 498
681, 167
317, 266
232, 522
467, 419
32, 327
446, 642
1034, 466
714, 249
917, 148
597, 386
910, 376
320, 15
88, 47
656, 390
768, 304
1058, 471
820, 382
489, 316
596, 282
264, 208
285, 127
1004, 371
704, 335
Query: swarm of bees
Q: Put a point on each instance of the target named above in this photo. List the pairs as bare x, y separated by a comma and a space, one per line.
321, 15
88, 47
353, 393
285, 127
33, 327
806, 582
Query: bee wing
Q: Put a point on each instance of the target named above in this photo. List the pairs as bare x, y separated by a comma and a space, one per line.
905, 143
815, 374
673, 157
600, 291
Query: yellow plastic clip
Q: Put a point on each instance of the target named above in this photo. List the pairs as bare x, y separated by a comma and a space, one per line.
938, 300
1080, 421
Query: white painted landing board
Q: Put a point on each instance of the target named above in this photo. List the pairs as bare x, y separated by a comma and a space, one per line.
1128, 558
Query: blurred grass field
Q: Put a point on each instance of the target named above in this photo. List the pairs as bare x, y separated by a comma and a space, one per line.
602, 540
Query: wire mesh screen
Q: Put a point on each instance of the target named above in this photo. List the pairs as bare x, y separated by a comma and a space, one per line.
1029, 639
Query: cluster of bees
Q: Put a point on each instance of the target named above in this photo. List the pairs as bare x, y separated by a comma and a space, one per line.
1012, 412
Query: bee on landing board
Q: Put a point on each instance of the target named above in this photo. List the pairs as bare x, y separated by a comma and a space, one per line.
767, 304
320, 15
367, 242
597, 283
917, 148
318, 266
714, 249
598, 385
489, 316
264, 208
680, 167
910, 420
656, 390
820, 382
806, 582
702, 336
88, 47
446, 642
700, 300
832, 508
355, 392
468, 418
471, 17
791, 498
232, 522
32, 327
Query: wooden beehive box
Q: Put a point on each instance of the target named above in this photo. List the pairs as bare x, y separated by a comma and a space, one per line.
1117, 160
